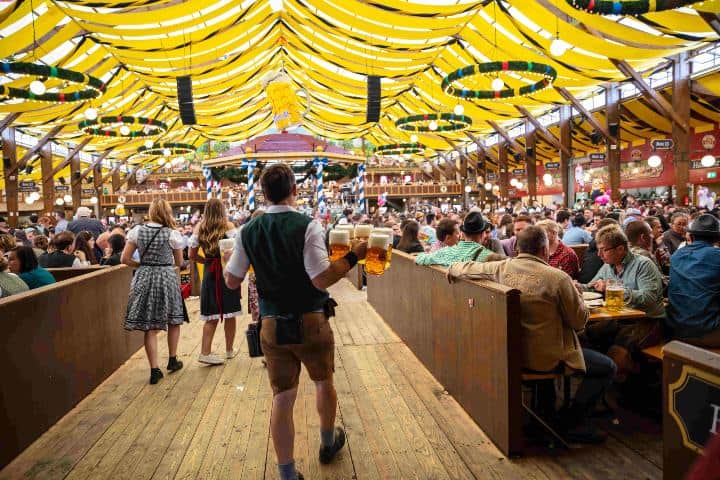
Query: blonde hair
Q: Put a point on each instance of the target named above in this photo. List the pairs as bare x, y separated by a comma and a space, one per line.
212, 227
7, 242
611, 236
161, 212
549, 225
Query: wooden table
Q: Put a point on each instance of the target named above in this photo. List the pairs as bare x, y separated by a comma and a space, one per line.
603, 313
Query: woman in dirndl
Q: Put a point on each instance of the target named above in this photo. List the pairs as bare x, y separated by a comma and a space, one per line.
217, 301
155, 301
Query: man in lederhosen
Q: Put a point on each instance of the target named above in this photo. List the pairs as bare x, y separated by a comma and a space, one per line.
287, 251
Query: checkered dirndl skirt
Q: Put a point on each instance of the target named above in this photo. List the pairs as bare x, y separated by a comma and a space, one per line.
155, 300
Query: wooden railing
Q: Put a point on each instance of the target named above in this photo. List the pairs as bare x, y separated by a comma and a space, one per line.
145, 198
415, 190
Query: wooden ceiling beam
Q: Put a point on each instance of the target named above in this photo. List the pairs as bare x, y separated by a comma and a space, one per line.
511, 141
712, 19
9, 119
482, 148
473, 163
542, 130
22, 163
585, 113
111, 172
93, 164
69, 156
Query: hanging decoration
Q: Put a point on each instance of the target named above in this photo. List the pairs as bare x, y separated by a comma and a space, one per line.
92, 87
250, 166
400, 149
547, 73
627, 7
284, 100
430, 122
166, 149
361, 187
150, 127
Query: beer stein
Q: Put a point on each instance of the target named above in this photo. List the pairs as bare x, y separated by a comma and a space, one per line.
226, 248
389, 233
376, 256
614, 295
362, 232
339, 244
350, 229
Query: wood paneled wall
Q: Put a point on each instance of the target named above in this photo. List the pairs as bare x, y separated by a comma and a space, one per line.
466, 334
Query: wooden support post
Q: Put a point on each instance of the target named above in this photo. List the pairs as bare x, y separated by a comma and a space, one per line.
97, 183
584, 112
75, 186
612, 106
48, 181
9, 149
530, 159
504, 174
71, 154
504, 133
681, 137
31, 152
565, 159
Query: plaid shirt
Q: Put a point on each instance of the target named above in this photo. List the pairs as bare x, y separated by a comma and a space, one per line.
462, 252
565, 259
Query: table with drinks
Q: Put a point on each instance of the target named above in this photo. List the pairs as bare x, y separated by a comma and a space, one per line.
613, 308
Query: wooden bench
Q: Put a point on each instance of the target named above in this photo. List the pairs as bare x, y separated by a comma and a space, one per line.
65, 273
656, 351
580, 252
59, 343
466, 334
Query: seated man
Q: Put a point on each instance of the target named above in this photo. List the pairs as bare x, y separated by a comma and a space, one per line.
519, 224
693, 314
639, 235
551, 311
577, 235
448, 234
643, 291
470, 248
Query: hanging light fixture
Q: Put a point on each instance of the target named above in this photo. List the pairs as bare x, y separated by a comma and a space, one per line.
37, 87
91, 113
29, 200
161, 161
276, 5
497, 84
707, 161
433, 125
166, 152
67, 199
513, 181
149, 143
558, 47
94, 200
519, 185
459, 109
59, 201
496, 188
413, 138
654, 161
547, 179
468, 188
488, 186
125, 130
35, 195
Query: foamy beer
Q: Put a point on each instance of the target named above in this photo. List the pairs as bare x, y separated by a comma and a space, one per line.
350, 229
376, 256
389, 233
339, 244
226, 248
362, 232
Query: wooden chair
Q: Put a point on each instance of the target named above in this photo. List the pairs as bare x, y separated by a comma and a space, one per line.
533, 381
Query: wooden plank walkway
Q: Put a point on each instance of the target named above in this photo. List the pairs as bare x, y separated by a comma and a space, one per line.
213, 422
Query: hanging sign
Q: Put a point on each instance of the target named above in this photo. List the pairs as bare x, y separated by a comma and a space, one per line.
694, 404
88, 191
552, 166
519, 171
662, 143
27, 186
694, 165
62, 188
594, 157
491, 176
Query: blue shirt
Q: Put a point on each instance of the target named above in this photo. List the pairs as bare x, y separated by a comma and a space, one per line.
37, 278
576, 236
694, 290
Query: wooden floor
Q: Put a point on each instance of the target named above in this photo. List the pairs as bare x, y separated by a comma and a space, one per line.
212, 422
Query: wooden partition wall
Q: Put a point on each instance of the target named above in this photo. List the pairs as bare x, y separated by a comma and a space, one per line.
66, 273
466, 334
691, 405
60, 342
355, 275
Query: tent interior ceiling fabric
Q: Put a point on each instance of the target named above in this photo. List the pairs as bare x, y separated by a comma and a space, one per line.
329, 48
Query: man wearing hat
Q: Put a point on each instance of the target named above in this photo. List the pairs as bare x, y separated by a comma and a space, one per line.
693, 313
475, 230
83, 223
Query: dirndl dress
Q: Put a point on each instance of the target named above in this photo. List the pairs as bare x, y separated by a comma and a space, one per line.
217, 301
155, 299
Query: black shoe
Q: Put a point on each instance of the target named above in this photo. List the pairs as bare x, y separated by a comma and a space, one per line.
174, 364
155, 375
328, 453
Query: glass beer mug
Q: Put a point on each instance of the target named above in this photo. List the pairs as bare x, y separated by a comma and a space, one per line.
339, 244
362, 232
226, 248
614, 295
389, 233
350, 229
376, 256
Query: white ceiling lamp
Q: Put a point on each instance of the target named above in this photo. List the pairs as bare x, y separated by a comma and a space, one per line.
125, 130
149, 143
91, 113
707, 161
37, 87
497, 84
558, 47
29, 200
547, 179
276, 5
513, 181
93, 200
35, 196
161, 161
468, 188
413, 138
67, 199
488, 186
166, 152
459, 109
59, 201
654, 161
519, 185
433, 125
496, 188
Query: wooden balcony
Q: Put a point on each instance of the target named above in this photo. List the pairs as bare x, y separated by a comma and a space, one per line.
145, 198
415, 190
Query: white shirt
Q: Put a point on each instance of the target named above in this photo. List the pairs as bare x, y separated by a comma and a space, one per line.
177, 242
315, 255
194, 242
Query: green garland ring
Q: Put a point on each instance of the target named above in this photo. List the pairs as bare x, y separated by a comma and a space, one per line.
175, 149
416, 123
628, 7
88, 126
400, 149
546, 71
94, 86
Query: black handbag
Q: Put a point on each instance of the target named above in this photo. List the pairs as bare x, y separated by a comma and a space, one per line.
252, 334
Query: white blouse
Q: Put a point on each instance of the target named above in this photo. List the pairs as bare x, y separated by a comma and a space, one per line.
177, 242
194, 242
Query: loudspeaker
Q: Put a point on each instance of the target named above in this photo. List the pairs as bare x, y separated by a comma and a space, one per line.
373, 99
614, 129
517, 157
62, 180
185, 100
89, 179
29, 169
595, 137
530, 152
6, 162
76, 175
